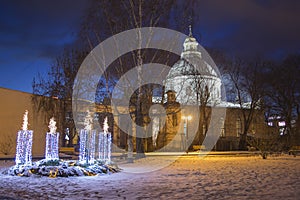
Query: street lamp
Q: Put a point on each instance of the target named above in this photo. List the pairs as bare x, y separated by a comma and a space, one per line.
185, 129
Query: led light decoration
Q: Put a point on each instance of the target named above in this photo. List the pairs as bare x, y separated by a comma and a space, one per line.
87, 141
52, 138
104, 143
24, 144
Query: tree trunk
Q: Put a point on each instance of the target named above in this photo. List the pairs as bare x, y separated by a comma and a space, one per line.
243, 142
130, 149
139, 116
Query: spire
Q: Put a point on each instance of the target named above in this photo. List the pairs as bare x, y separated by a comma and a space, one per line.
190, 45
190, 31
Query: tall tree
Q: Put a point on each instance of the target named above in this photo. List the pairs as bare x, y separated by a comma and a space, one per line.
284, 95
248, 86
139, 13
55, 92
106, 18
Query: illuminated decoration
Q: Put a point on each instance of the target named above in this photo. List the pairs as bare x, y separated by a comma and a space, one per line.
67, 134
104, 143
281, 124
24, 144
52, 139
62, 168
51, 166
87, 141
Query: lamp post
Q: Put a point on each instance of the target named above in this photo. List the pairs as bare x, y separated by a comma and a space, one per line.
185, 129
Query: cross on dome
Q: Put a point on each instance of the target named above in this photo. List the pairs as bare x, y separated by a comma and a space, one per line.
190, 31
190, 44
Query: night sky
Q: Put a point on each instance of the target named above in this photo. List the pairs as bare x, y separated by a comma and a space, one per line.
34, 32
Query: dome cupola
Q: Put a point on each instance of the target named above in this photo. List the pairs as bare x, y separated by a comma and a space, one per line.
190, 45
191, 73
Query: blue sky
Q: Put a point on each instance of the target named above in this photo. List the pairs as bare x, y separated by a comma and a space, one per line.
34, 32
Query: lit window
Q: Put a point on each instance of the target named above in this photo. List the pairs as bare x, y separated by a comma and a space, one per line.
270, 124
281, 124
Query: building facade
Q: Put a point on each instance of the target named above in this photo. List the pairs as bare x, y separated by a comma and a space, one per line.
193, 91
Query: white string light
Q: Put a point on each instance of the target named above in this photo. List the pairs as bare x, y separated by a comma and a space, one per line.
104, 143
24, 143
87, 142
52, 139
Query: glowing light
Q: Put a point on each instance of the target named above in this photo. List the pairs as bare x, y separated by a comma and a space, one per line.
67, 137
24, 144
52, 126
108, 137
25, 121
101, 146
67, 134
281, 124
104, 143
87, 141
187, 117
52, 139
105, 125
109, 147
87, 146
88, 121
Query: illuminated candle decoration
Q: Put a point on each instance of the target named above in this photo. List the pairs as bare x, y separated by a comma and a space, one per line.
52, 139
87, 141
104, 143
24, 144
105, 125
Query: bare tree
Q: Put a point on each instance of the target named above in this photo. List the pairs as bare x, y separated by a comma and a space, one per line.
248, 86
284, 98
138, 14
267, 144
52, 94
204, 89
103, 19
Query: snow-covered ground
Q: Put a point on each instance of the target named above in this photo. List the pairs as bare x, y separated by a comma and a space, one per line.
189, 177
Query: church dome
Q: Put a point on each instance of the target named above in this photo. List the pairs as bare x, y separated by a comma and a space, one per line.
190, 69
191, 61
185, 67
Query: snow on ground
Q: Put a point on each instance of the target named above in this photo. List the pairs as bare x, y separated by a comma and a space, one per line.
189, 177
